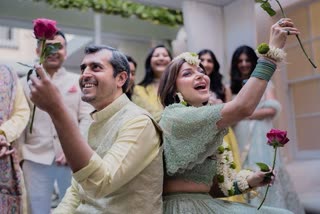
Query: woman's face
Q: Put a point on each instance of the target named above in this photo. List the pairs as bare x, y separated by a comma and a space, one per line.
193, 83
244, 65
207, 62
159, 61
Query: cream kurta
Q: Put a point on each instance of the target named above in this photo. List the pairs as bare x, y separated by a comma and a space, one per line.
125, 175
43, 145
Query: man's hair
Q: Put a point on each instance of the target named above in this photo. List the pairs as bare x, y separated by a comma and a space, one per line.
130, 59
58, 33
118, 61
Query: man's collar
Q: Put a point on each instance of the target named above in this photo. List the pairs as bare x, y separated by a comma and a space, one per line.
110, 110
61, 71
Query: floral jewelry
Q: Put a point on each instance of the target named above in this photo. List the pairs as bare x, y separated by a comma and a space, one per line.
190, 57
242, 181
276, 54
182, 101
226, 172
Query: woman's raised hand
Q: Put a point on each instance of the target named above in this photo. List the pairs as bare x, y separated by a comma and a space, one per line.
280, 31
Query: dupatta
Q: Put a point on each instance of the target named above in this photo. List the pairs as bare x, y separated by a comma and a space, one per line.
10, 174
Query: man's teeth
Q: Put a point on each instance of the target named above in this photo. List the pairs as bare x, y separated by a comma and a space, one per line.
88, 85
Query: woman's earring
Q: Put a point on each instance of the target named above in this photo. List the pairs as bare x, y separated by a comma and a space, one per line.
182, 101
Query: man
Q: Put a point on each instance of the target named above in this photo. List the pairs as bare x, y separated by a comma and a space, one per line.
133, 68
120, 169
44, 160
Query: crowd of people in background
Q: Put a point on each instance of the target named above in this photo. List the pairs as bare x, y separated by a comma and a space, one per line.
149, 147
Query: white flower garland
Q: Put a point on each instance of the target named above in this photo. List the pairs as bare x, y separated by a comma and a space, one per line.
242, 181
189, 57
276, 54
226, 172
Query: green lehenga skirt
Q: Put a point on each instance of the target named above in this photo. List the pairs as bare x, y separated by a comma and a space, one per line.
201, 203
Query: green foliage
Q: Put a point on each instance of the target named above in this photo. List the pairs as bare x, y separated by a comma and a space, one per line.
263, 167
124, 8
265, 5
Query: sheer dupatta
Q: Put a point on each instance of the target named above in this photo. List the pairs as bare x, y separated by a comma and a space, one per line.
10, 175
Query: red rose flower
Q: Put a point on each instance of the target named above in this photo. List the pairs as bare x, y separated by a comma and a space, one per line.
277, 138
44, 28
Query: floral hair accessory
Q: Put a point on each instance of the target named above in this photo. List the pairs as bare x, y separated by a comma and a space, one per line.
190, 57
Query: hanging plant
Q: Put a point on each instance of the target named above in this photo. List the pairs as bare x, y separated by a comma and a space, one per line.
157, 15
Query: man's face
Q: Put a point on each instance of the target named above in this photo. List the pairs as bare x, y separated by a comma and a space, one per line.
98, 85
55, 61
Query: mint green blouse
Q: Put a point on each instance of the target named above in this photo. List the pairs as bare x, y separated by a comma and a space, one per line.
191, 138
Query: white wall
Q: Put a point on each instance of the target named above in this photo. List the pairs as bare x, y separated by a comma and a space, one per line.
204, 27
240, 27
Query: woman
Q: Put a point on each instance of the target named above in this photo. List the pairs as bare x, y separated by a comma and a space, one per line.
250, 133
219, 93
197, 162
14, 115
133, 68
145, 94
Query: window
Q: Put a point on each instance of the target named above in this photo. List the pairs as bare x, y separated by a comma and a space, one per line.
8, 37
304, 81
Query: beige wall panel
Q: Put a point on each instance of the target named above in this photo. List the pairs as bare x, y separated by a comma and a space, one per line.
306, 97
315, 18
297, 64
308, 130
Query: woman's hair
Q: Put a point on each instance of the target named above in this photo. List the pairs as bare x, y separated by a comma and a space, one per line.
215, 77
236, 79
167, 90
149, 75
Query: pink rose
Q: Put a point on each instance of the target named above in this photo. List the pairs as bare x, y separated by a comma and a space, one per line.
277, 138
44, 28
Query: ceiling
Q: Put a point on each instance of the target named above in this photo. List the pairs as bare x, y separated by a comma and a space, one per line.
177, 4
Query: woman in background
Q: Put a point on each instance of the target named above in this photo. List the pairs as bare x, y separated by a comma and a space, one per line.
14, 115
145, 94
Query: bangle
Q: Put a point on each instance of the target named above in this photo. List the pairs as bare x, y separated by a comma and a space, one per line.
264, 69
242, 182
277, 54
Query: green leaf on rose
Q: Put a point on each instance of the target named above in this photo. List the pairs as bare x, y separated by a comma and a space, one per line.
51, 49
266, 6
263, 167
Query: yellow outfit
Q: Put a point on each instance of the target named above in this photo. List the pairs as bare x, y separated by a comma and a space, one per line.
232, 141
147, 98
125, 174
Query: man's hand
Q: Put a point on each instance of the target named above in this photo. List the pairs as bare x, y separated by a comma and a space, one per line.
4, 147
43, 93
